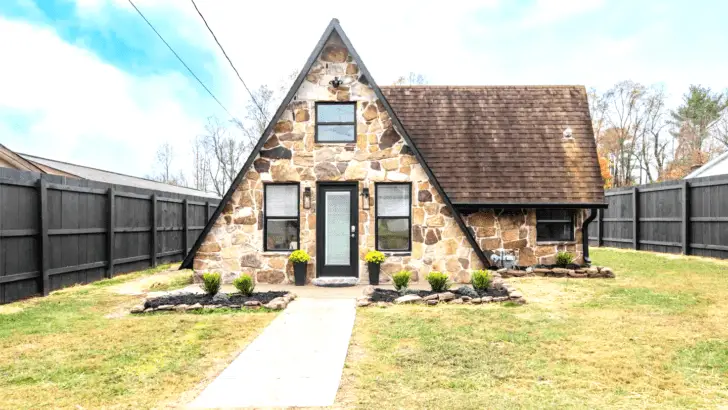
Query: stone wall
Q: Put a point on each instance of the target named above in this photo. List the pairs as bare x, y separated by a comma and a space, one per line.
515, 230
235, 243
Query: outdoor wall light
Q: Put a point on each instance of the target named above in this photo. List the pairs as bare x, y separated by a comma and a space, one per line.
336, 82
307, 198
365, 198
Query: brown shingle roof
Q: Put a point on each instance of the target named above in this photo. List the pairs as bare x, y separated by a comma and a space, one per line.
503, 144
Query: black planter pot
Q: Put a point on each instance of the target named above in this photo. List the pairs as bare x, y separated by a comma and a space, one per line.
373, 273
299, 272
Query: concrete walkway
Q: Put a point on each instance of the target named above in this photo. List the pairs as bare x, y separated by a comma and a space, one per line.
296, 362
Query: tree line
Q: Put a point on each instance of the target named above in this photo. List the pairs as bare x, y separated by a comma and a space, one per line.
641, 140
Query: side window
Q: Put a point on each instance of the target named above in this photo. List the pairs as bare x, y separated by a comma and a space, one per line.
554, 225
394, 221
280, 228
335, 122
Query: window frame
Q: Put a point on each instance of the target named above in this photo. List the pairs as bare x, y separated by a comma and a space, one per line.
353, 122
283, 218
377, 217
571, 222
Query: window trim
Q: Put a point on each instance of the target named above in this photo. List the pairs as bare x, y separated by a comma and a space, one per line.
377, 217
316, 132
571, 221
266, 217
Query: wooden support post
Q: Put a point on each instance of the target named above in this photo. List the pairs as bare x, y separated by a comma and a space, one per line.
44, 242
207, 212
110, 235
153, 240
185, 232
635, 218
686, 217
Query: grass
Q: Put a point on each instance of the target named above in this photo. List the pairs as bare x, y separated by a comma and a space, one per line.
79, 348
655, 337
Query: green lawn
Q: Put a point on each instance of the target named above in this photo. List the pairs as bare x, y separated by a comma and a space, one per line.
654, 337
78, 347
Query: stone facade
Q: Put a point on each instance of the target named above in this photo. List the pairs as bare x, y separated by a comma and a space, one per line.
291, 154
515, 230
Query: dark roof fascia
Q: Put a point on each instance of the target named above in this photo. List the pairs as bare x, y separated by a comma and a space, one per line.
187, 263
535, 205
403, 131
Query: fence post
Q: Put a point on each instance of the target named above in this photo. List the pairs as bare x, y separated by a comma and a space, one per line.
686, 217
43, 260
153, 241
207, 212
600, 227
110, 237
635, 218
185, 240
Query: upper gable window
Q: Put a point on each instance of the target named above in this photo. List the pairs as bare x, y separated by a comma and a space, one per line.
335, 122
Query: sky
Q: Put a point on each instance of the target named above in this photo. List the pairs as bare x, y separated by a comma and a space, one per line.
88, 82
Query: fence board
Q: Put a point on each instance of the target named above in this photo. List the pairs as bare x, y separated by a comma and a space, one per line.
65, 231
689, 217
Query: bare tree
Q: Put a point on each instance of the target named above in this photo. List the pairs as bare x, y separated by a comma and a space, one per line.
653, 144
164, 161
411, 79
201, 164
226, 153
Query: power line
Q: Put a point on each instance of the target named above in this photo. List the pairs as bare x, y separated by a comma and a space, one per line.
180, 59
229, 61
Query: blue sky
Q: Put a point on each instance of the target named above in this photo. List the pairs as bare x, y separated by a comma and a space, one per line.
87, 81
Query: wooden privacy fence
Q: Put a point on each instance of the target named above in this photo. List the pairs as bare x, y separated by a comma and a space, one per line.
687, 216
57, 231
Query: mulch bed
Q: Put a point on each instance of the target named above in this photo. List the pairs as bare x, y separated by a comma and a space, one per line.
192, 298
389, 295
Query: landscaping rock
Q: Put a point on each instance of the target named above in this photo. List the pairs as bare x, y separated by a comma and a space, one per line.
233, 306
428, 298
407, 299
165, 307
476, 301
456, 301
363, 303
561, 272
252, 303
368, 290
180, 308
486, 299
541, 272
277, 304
220, 298
515, 295
466, 291
432, 302
445, 296
466, 299
194, 307
500, 298
137, 309
147, 310
606, 272
496, 283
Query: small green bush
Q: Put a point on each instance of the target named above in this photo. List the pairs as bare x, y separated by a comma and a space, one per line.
211, 283
564, 258
481, 279
244, 284
401, 280
299, 256
439, 282
374, 257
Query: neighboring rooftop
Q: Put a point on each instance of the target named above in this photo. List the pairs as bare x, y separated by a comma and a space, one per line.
504, 144
716, 166
94, 174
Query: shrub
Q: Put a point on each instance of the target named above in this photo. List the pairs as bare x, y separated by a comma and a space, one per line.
374, 257
299, 256
439, 282
211, 283
564, 258
401, 280
244, 284
481, 279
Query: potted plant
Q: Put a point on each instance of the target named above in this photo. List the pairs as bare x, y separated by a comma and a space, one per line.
299, 259
374, 260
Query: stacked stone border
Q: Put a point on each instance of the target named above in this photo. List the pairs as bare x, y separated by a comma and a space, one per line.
586, 272
278, 303
450, 298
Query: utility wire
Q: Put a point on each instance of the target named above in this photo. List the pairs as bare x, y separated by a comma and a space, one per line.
180, 59
265, 117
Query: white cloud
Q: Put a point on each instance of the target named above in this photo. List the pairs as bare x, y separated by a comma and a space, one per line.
77, 108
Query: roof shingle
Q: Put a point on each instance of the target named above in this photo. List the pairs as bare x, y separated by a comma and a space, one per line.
504, 144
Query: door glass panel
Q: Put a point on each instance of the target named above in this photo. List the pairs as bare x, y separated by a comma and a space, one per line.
338, 222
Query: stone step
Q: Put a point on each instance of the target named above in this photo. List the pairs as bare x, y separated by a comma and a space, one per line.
335, 281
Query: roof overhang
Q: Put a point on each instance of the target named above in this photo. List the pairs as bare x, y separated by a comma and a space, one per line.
538, 205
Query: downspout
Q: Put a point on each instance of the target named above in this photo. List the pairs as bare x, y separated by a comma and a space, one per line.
585, 234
